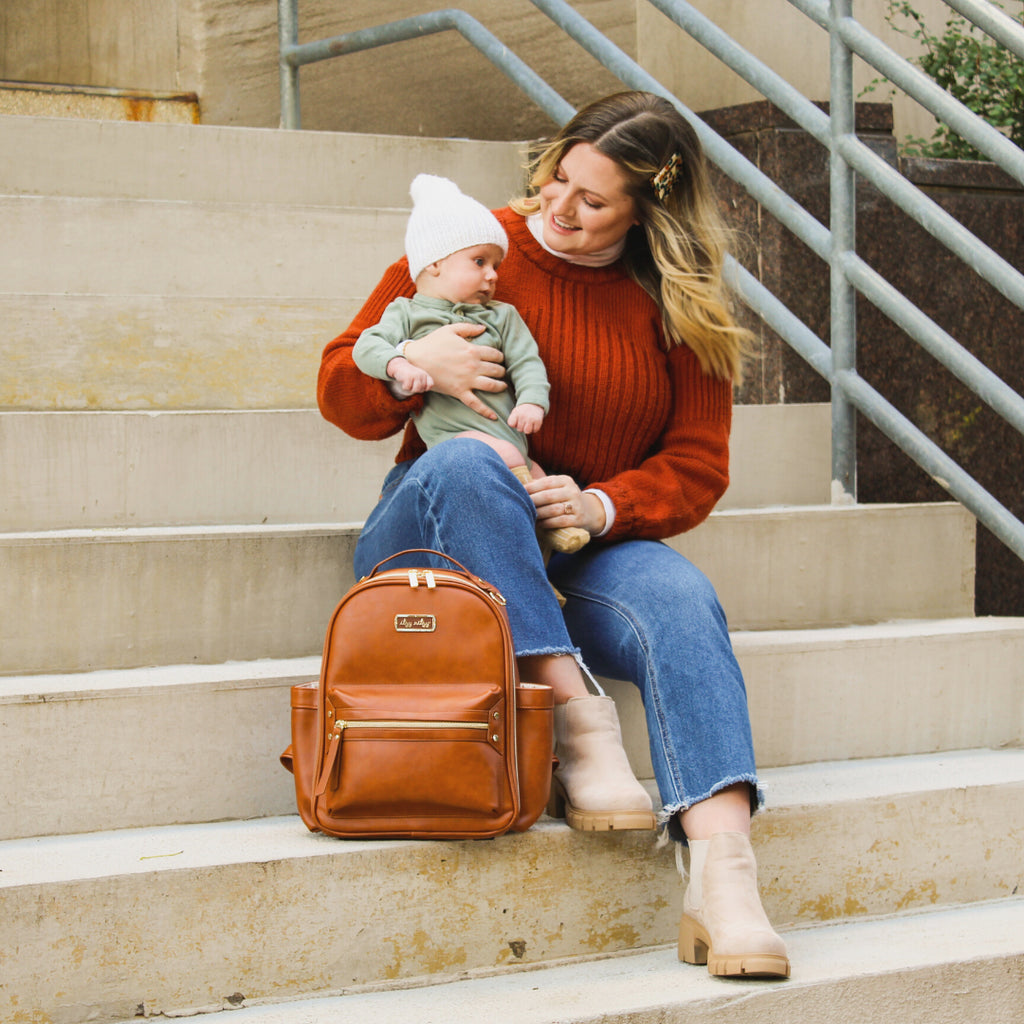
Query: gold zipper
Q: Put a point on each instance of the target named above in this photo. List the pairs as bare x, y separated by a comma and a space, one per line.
341, 724
384, 723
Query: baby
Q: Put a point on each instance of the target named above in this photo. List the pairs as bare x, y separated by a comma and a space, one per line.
454, 245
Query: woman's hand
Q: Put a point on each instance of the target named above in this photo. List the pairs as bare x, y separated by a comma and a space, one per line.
560, 502
457, 366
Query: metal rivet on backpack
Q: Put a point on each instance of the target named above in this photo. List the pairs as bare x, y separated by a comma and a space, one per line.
496, 716
495, 737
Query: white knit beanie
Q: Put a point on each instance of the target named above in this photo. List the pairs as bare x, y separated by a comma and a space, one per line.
443, 221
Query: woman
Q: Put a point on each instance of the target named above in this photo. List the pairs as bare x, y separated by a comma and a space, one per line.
615, 265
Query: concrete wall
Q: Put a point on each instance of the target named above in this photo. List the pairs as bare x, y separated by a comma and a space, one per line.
226, 52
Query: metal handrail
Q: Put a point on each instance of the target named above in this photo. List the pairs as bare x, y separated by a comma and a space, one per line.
849, 274
292, 55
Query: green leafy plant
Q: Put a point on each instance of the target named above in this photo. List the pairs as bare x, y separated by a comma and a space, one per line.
983, 75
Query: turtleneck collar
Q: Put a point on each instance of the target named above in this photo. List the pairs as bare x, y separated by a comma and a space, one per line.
593, 259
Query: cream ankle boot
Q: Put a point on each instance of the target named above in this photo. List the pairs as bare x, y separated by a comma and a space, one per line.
566, 539
593, 784
723, 923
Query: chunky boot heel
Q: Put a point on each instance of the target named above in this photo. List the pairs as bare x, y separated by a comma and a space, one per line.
593, 778
723, 923
693, 942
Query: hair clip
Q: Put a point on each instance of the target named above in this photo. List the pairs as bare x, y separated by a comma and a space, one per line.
664, 181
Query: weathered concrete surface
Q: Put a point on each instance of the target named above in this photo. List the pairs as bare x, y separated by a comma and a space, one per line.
98, 103
76, 470
178, 918
171, 595
813, 695
935, 967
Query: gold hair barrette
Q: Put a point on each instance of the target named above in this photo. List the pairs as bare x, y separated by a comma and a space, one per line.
664, 181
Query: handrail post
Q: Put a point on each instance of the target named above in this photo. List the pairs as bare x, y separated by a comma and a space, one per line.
288, 37
842, 303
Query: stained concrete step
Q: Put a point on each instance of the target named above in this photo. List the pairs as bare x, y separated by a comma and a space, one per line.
951, 965
153, 352
78, 600
166, 468
94, 102
173, 920
128, 304
855, 692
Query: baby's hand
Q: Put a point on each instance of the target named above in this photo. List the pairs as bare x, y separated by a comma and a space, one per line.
526, 418
411, 378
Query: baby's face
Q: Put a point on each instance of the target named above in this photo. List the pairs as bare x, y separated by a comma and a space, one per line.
469, 275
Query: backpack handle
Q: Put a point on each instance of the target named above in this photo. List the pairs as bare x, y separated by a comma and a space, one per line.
418, 551
483, 584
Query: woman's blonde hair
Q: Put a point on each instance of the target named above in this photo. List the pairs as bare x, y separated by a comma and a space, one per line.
677, 251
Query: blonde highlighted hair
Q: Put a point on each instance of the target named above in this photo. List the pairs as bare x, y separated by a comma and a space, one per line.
677, 251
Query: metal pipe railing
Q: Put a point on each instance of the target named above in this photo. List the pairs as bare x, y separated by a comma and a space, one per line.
842, 294
817, 123
294, 55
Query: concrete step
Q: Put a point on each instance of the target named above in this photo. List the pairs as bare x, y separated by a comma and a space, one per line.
70, 245
96, 103
169, 468
950, 965
169, 266
174, 920
78, 600
47, 156
813, 695
155, 352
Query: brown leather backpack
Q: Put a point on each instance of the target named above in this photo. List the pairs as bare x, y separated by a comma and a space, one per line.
419, 726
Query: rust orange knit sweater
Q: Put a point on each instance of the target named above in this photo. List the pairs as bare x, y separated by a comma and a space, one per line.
644, 425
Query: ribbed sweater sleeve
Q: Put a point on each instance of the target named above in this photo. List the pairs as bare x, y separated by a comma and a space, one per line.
363, 407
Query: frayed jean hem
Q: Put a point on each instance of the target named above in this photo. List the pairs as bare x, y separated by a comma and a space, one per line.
669, 827
540, 652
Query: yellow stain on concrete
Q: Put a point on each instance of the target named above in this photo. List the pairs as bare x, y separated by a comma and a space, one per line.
422, 954
828, 907
925, 893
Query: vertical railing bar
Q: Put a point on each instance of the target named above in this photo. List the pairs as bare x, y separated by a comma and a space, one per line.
287, 37
842, 294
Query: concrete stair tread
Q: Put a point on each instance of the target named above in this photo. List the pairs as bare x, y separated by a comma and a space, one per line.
279, 671
205, 916
169, 848
909, 961
720, 518
127, 247
813, 694
291, 465
167, 595
214, 162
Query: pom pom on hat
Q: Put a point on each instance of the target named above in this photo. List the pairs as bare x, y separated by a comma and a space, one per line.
444, 220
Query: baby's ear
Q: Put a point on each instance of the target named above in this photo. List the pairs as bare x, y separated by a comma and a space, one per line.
434, 269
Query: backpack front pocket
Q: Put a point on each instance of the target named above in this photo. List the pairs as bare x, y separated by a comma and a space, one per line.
413, 753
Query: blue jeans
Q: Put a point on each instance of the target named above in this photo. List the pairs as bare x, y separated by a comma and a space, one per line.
635, 610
